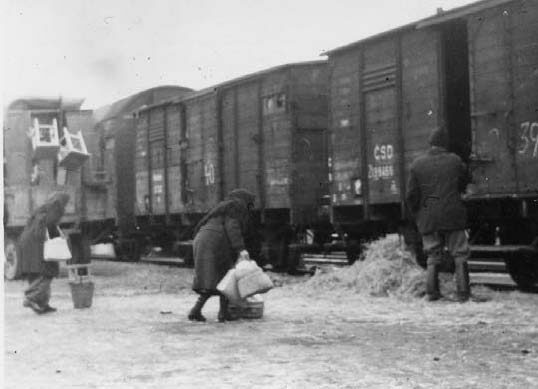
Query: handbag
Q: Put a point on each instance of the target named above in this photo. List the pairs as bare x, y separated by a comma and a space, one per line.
103, 250
56, 249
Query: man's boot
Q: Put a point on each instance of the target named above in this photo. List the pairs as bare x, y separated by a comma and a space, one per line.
196, 312
432, 283
224, 314
463, 288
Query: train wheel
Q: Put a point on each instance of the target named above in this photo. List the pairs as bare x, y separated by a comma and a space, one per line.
524, 271
11, 263
128, 250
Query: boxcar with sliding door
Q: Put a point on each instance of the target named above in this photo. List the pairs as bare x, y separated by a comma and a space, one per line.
111, 171
471, 70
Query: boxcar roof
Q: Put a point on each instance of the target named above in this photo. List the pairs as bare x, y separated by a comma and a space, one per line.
441, 17
234, 81
460, 12
133, 102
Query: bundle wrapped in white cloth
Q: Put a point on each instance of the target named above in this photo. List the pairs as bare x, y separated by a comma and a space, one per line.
244, 280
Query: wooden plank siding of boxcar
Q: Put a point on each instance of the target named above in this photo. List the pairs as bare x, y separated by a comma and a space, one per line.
202, 155
309, 86
173, 157
125, 143
276, 142
345, 156
524, 24
156, 152
141, 164
230, 155
211, 166
240, 121
381, 115
109, 130
420, 92
193, 119
491, 102
247, 135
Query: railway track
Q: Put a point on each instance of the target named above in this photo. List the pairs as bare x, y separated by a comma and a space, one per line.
483, 270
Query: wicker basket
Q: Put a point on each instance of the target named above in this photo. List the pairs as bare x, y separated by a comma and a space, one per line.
252, 310
82, 294
247, 309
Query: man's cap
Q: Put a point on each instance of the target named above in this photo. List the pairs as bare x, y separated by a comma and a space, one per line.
438, 137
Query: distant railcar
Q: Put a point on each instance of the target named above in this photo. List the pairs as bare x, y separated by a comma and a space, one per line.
111, 171
265, 132
471, 70
44, 152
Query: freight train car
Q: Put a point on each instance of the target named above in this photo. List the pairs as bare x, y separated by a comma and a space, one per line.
111, 168
265, 132
472, 70
44, 151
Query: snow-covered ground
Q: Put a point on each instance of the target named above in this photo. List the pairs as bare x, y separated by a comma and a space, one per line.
136, 335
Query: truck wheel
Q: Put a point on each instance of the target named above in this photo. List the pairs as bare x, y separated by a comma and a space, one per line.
524, 271
11, 263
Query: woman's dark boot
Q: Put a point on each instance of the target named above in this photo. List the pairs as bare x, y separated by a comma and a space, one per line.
196, 312
432, 283
224, 314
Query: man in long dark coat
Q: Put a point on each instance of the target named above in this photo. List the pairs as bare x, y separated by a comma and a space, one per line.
219, 240
436, 181
30, 251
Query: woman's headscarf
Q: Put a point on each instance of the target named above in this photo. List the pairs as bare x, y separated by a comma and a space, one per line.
243, 195
237, 205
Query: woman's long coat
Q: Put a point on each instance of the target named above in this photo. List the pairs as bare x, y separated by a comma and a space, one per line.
31, 244
216, 245
32, 239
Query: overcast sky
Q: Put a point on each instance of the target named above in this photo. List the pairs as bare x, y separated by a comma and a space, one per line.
104, 50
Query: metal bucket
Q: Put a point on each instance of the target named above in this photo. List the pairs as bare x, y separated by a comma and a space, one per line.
82, 294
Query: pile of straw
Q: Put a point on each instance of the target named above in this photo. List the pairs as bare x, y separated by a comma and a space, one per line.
387, 268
